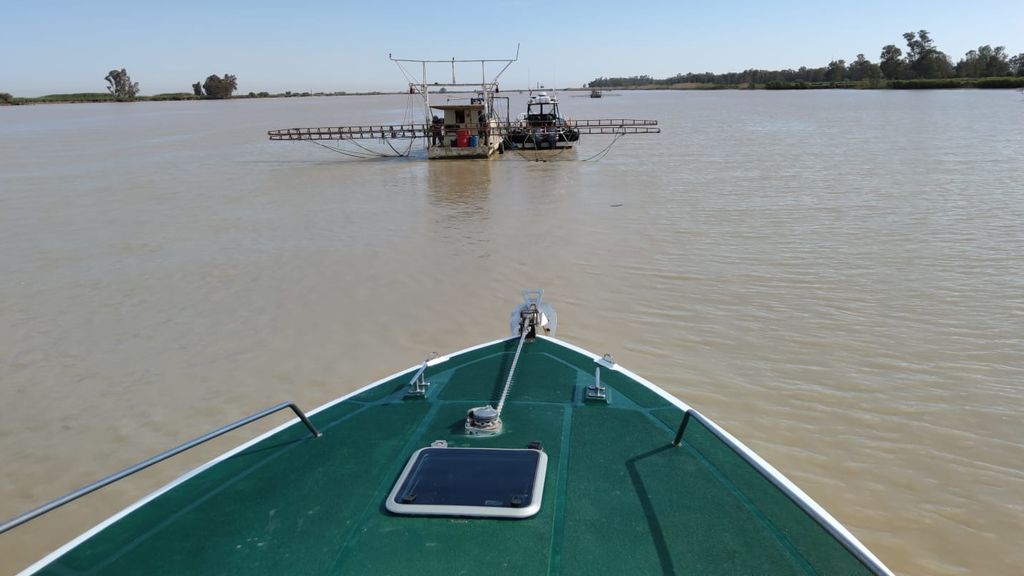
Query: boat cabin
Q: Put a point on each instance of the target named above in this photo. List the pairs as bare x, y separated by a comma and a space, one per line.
542, 111
460, 130
541, 126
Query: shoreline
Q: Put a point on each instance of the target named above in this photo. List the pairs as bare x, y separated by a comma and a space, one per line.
1004, 82
919, 84
102, 98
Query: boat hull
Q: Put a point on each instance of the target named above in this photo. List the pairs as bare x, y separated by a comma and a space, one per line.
466, 153
542, 139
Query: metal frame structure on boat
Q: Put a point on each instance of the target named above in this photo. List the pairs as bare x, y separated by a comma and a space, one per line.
470, 124
448, 136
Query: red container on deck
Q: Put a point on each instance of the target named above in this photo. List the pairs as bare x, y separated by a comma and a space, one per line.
461, 138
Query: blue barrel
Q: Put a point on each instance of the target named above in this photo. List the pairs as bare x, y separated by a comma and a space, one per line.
474, 141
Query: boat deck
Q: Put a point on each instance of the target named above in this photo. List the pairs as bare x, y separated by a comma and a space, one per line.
619, 498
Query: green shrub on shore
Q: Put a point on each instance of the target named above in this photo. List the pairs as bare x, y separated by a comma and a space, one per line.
925, 83
170, 96
91, 97
779, 85
918, 84
77, 97
1001, 82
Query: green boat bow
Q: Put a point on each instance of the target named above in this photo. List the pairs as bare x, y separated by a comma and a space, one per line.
636, 482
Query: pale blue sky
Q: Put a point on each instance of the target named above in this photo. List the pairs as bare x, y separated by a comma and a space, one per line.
60, 46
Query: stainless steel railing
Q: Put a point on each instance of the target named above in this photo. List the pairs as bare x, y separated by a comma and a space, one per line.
76, 494
804, 502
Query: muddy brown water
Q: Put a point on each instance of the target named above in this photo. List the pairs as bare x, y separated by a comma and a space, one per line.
835, 277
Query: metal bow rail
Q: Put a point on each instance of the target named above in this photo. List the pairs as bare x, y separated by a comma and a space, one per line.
795, 495
76, 494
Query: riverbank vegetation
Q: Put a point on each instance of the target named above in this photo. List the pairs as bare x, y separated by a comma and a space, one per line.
84, 97
922, 66
80, 97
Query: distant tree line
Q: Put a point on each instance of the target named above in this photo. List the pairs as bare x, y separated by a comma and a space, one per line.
7, 99
122, 88
922, 61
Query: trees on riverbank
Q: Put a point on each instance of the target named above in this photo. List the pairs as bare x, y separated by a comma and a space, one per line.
923, 61
217, 87
121, 86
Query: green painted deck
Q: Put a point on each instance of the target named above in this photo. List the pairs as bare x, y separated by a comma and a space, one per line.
618, 497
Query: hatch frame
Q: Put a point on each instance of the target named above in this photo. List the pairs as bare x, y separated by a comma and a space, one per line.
526, 510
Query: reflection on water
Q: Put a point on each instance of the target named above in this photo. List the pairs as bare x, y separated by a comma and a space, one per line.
459, 187
835, 277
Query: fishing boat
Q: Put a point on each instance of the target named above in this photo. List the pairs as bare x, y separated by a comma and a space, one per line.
542, 126
524, 455
463, 119
595, 93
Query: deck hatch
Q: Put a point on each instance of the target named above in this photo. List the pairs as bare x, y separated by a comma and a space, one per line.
482, 482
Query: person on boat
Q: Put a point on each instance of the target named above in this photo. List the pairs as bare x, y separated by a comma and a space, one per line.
437, 131
482, 127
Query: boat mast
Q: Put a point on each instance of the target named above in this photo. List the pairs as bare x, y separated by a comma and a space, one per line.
421, 87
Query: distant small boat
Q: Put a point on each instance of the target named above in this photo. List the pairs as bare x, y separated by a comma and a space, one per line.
595, 93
